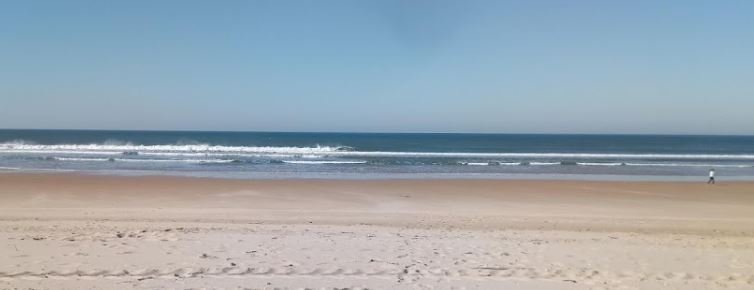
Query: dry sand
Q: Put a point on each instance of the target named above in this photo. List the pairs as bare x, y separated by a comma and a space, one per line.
103, 232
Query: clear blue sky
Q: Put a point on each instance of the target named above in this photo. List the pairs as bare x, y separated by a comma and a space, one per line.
407, 66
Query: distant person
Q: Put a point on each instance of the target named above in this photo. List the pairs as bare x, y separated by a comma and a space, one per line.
711, 176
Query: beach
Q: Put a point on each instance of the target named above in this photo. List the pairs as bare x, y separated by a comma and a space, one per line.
76, 231
527, 145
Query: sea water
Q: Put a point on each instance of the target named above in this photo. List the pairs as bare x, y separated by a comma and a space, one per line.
377, 155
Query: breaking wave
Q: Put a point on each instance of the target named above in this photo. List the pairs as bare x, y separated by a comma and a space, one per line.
188, 150
110, 147
324, 161
80, 159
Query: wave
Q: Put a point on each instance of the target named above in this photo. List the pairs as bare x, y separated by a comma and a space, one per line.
690, 165
109, 147
547, 155
328, 151
475, 163
245, 155
536, 163
540, 163
78, 159
115, 147
140, 159
83, 159
116, 142
20, 142
570, 163
324, 161
510, 163
165, 154
601, 163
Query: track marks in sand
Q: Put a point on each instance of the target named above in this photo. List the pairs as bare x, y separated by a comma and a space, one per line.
143, 253
589, 276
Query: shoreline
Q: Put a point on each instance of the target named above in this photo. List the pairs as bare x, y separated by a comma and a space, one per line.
282, 176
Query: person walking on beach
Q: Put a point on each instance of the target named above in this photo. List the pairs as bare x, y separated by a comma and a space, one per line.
711, 176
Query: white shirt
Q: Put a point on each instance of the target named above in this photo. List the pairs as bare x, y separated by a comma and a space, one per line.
711, 173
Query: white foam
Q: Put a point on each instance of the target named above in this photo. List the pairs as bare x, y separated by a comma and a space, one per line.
142, 160
690, 165
324, 162
476, 163
544, 163
327, 151
213, 161
601, 163
259, 155
79, 159
20, 147
177, 160
60, 152
546, 155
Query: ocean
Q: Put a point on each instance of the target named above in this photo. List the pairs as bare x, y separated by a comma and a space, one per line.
377, 155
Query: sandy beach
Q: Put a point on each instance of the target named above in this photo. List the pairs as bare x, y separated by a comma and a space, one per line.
67, 231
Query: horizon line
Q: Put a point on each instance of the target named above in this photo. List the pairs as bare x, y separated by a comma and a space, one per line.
371, 132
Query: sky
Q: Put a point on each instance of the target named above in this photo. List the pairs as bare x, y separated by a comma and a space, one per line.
665, 67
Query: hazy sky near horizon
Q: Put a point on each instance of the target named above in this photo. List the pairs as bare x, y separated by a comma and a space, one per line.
398, 66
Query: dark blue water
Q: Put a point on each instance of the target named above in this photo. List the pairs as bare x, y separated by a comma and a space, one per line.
369, 155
